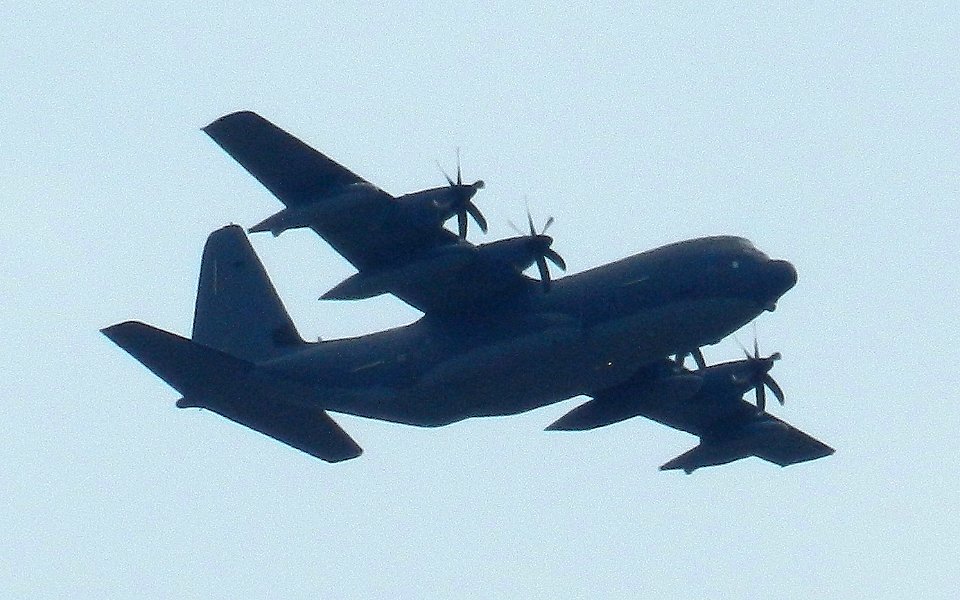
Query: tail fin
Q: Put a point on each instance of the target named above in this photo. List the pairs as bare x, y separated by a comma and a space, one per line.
238, 310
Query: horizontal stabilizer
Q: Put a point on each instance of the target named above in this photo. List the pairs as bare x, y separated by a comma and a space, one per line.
189, 367
236, 389
305, 427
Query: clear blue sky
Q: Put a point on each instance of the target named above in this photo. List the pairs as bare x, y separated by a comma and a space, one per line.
826, 134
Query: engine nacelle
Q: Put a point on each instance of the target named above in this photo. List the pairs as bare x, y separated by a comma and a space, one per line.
628, 401
368, 284
359, 202
431, 208
518, 252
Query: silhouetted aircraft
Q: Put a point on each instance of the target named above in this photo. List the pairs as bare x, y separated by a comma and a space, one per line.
492, 341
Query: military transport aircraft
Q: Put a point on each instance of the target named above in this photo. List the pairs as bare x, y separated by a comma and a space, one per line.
492, 341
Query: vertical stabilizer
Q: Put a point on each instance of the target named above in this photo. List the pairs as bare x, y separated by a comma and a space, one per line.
238, 310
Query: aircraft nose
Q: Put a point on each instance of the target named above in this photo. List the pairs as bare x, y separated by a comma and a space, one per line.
780, 277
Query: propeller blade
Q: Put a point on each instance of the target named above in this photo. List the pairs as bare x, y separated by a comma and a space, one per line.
544, 273
459, 179
445, 176
555, 259
530, 221
756, 348
477, 216
770, 383
698, 357
761, 397
681, 358
547, 225
462, 224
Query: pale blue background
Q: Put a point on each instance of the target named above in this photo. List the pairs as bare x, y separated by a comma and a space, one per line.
827, 135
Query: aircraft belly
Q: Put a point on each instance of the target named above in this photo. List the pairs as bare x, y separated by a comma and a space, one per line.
502, 378
524, 373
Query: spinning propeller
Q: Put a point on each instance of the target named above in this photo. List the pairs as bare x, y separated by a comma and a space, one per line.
462, 203
538, 247
759, 377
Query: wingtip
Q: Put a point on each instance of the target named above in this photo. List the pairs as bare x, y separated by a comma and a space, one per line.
686, 470
229, 119
117, 331
677, 464
561, 425
109, 328
349, 456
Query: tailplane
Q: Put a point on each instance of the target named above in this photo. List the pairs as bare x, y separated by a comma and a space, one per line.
238, 310
236, 389
239, 322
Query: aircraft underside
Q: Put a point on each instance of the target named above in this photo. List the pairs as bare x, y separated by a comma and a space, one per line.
493, 341
527, 372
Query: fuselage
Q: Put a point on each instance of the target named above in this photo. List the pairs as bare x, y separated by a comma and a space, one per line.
590, 332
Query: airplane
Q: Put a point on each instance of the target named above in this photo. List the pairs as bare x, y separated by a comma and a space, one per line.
492, 341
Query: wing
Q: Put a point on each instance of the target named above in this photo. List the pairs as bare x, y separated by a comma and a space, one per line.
703, 403
788, 445
293, 171
750, 433
354, 216
396, 249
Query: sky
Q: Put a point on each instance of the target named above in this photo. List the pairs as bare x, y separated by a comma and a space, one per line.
827, 133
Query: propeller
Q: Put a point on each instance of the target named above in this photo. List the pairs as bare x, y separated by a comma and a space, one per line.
463, 203
759, 376
539, 246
